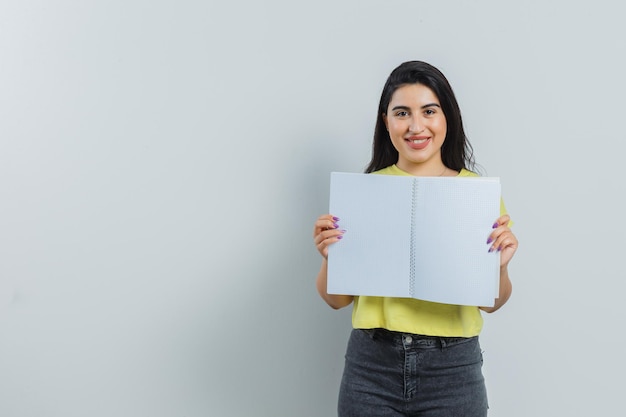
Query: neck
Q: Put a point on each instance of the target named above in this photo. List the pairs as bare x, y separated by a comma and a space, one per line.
433, 170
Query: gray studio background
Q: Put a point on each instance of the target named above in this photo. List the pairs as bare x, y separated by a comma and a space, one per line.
162, 163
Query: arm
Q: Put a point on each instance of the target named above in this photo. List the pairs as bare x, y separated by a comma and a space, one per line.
325, 233
334, 300
505, 291
506, 243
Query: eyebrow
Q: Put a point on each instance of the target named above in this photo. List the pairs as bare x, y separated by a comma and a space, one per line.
423, 107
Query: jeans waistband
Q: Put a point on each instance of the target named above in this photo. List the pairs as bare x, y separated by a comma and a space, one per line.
415, 339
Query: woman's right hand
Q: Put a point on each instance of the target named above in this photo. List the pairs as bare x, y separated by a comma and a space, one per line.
326, 232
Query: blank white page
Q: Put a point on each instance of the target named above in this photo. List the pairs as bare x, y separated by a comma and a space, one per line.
453, 219
371, 259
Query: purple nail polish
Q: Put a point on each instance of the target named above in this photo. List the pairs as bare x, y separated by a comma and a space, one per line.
494, 225
489, 240
335, 225
335, 218
490, 250
340, 237
343, 231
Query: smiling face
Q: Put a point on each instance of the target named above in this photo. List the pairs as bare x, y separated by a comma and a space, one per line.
417, 127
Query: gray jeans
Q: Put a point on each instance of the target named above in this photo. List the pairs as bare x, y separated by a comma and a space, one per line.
396, 374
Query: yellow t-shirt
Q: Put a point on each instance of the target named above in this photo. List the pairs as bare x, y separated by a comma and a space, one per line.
409, 315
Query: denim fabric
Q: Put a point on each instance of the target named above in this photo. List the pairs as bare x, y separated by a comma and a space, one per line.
395, 374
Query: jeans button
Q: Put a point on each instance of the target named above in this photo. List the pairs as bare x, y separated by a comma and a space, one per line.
408, 339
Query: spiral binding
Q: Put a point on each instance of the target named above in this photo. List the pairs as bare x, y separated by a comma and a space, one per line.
412, 245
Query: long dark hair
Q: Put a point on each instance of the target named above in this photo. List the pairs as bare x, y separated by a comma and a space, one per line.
456, 152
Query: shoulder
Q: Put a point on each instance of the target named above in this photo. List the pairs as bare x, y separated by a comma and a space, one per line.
465, 173
391, 170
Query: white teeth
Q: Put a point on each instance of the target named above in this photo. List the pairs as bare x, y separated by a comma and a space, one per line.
419, 140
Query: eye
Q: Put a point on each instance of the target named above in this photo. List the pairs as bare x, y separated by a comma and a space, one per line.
402, 113
429, 112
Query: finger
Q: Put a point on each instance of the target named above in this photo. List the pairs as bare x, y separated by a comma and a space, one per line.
507, 253
327, 238
510, 241
495, 239
501, 221
325, 222
500, 226
504, 240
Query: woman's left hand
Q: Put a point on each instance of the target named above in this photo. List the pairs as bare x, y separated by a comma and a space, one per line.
503, 240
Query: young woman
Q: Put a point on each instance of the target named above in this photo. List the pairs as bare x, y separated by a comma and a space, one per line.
408, 357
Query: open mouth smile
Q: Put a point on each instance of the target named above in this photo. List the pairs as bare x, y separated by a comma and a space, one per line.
418, 143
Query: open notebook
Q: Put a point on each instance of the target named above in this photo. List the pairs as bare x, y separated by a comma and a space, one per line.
418, 237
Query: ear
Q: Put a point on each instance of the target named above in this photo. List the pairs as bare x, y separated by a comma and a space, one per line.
385, 120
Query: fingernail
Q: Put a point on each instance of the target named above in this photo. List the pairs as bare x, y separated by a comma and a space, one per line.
499, 248
494, 225
343, 231
335, 218
489, 240
335, 225
491, 249
340, 237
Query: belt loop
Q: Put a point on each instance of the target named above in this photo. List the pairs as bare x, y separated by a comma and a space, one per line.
442, 343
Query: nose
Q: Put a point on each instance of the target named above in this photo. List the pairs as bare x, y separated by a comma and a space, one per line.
415, 125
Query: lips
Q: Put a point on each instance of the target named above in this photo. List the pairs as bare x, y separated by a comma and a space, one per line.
418, 143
